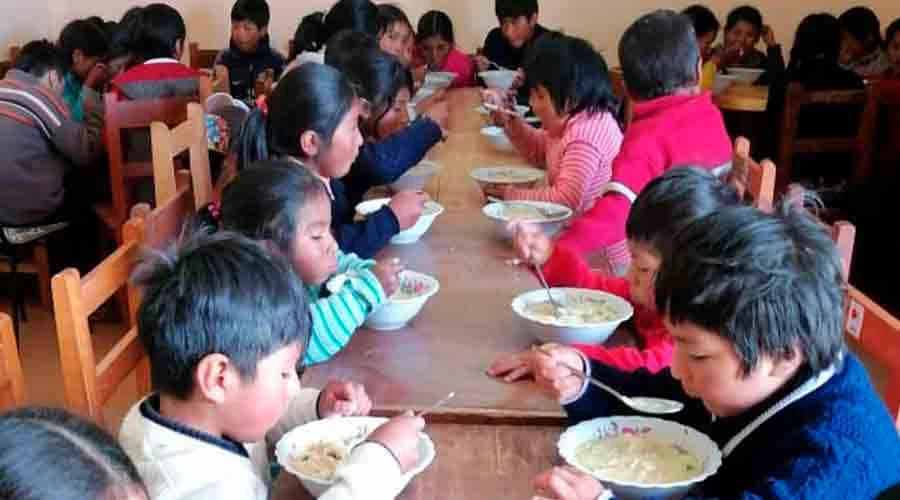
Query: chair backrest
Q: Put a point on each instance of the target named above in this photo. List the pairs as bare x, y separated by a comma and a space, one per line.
12, 382
861, 144
166, 144
842, 232
121, 115
754, 181
89, 384
201, 58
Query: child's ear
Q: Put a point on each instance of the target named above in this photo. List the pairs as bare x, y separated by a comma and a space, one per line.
214, 376
77, 56
310, 144
263, 31
179, 49
788, 366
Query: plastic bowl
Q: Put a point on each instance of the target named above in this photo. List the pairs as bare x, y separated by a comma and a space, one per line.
691, 440
500, 79
434, 83
417, 177
722, 82
497, 138
414, 233
562, 332
402, 307
338, 429
746, 75
551, 220
521, 176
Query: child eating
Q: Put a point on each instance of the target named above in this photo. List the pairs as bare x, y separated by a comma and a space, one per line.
861, 44
83, 45
706, 27
249, 53
438, 48
743, 30
394, 33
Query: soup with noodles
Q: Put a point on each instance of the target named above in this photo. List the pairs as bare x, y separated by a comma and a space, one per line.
638, 458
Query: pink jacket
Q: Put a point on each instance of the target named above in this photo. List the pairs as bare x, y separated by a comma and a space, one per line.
464, 67
667, 132
579, 163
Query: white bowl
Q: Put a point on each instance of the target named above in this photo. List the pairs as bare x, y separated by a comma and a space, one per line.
521, 109
402, 307
521, 176
497, 137
552, 329
550, 220
691, 440
500, 79
745, 75
417, 177
339, 429
722, 82
434, 83
414, 233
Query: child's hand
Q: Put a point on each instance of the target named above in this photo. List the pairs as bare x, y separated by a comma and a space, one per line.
550, 366
388, 274
419, 73
97, 77
511, 367
407, 207
481, 62
344, 399
519, 80
436, 107
531, 244
497, 191
566, 483
401, 436
768, 36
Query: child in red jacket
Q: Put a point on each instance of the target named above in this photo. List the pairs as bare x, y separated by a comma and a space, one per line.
669, 202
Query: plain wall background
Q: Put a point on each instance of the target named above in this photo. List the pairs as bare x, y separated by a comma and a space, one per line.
601, 22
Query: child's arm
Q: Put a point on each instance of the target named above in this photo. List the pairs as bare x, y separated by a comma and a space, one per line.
600, 227
370, 472
385, 161
654, 357
530, 142
301, 410
369, 236
567, 269
81, 142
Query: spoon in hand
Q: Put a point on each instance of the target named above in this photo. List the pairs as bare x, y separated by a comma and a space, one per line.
560, 310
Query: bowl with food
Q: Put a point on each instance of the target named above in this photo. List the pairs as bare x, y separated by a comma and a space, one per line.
435, 82
313, 452
417, 177
746, 75
518, 175
406, 303
487, 108
497, 137
500, 79
550, 216
585, 316
640, 457
413, 234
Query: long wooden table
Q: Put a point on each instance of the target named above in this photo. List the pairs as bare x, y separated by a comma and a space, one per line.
744, 97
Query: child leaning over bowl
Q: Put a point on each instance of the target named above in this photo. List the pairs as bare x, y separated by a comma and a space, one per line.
224, 324
570, 92
288, 209
754, 302
671, 200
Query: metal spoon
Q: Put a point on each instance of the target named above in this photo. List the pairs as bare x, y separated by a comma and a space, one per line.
560, 310
437, 405
653, 406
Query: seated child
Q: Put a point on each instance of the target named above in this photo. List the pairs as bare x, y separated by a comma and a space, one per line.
668, 203
250, 53
508, 44
755, 305
42, 144
892, 41
570, 92
224, 324
81, 461
861, 44
312, 119
289, 209
706, 27
316, 30
674, 124
394, 33
84, 46
743, 30
438, 48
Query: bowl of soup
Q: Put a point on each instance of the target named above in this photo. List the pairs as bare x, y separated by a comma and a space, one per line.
497, 137
640, 457
413, 234
586, 316
500, 79
746, 75
406, 303
435, 82
315, 451
721, 83
550, 216
417, 177
518, 175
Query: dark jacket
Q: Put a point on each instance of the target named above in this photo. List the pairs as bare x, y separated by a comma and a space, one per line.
385, 161
498, 50
244, 67
367, 237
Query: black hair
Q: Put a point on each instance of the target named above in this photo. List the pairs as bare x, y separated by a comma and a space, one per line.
891, 32
515, 8
436, 23
659, 55
377, 77
345, 45
264, 202
38, 58
704, 20
862, 24
49, 453
255, 11
574, 74
83, 35
156, 31
818, 37
308, 37
671, 200
312, 97
388, 15
217, 293
770, 284
747, 14
315, 30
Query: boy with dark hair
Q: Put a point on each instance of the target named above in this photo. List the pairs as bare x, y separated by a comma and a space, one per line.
250, 52
83, 44
224, 323
674, 124
40, 140
755, 304
706, 27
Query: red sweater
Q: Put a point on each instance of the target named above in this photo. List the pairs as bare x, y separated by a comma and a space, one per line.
565, 268
668, 132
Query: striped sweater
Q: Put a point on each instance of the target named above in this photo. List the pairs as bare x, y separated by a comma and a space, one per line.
579, 163
336, 317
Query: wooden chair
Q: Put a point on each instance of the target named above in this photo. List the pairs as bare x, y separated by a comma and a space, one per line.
12, 382
842, 232
201, 58
167, 144
755, 181
88, 384
861, 144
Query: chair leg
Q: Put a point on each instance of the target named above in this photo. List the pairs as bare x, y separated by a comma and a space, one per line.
17, 306
42, 266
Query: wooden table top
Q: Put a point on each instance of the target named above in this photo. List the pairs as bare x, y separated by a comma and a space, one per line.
744, 97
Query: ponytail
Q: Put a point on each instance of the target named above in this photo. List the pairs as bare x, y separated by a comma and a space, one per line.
252, 142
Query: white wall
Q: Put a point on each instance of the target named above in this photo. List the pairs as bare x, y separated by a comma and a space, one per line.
601, 22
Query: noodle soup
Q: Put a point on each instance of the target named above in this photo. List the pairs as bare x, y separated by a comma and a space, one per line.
638, 458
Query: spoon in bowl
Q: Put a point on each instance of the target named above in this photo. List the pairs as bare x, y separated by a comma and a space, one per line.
560, 310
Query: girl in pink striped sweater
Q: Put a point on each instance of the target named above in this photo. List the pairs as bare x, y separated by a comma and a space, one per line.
571, 94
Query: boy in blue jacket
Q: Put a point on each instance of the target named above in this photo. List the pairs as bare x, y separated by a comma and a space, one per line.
249, 52
754, 303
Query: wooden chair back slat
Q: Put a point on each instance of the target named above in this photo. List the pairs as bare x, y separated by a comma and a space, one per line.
12, 380
877, 332
751, 178
842, 232
166, 144
201, 58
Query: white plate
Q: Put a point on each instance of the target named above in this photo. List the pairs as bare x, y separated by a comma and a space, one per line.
508, 175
